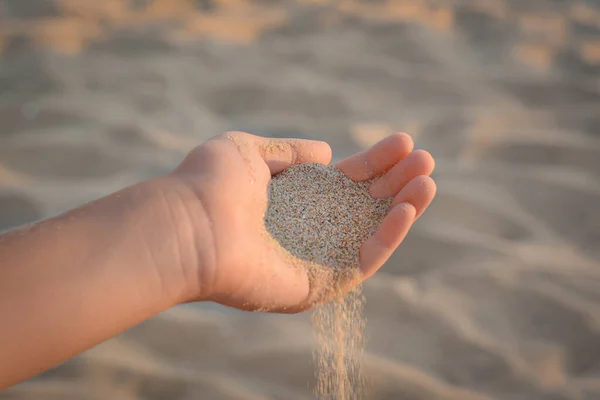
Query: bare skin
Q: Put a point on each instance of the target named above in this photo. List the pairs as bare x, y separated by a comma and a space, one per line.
196, 234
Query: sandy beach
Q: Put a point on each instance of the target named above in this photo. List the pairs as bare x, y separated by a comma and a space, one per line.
495, 294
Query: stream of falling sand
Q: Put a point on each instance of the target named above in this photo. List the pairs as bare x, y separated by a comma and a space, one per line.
339, 332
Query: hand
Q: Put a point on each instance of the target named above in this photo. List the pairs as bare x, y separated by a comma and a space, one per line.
222, 186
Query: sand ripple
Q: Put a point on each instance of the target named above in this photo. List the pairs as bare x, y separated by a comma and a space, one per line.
494, 295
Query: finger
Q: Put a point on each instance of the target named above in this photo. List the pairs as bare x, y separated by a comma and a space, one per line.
279, 154
392, 231
419, 162
378, 159
420, 191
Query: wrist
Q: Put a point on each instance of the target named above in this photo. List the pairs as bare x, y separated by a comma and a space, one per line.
178, 236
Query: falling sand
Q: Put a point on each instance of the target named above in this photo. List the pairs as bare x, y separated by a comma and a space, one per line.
322, 217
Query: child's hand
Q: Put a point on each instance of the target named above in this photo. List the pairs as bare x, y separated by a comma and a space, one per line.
72, 281
218, 197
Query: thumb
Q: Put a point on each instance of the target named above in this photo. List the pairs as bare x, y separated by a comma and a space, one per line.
279, 154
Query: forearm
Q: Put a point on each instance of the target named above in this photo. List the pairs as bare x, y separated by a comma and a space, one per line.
73, 281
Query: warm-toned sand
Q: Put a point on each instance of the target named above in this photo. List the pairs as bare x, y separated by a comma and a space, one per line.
496, 292
321, 216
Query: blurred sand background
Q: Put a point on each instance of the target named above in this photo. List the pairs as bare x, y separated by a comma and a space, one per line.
496, 292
